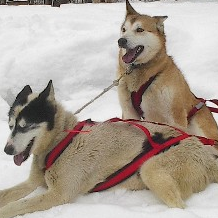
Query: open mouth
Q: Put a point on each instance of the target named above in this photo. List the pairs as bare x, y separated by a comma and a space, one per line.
20, 158
132, 54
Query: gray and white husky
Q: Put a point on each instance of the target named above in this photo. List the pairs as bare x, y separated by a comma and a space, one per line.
38, 123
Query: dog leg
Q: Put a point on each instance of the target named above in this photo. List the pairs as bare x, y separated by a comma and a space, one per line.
35, 180
16, 192
163, 185
179, 116
199, 124
39, 203
126, 104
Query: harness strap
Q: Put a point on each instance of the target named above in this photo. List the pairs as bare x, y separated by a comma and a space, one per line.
206, 141
62, 145
198, 106
136, 97
195, 109
213, 109
130, 169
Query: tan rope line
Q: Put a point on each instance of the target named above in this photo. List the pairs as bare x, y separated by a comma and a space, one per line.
129, 70
115, 83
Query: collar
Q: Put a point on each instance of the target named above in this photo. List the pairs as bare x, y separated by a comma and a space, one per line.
132, 67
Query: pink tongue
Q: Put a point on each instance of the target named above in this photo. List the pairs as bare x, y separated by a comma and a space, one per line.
129, 56
18, 159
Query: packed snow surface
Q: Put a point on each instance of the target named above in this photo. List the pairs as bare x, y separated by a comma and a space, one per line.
76, 47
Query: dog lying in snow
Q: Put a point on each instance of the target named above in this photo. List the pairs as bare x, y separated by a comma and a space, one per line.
71, 166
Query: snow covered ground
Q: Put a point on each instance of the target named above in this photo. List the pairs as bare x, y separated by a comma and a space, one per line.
76, 47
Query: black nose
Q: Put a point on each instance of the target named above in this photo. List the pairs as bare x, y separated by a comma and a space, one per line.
122, 42
9, 149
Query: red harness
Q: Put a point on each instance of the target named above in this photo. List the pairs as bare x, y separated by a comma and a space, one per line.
136, 98
62, 145
132, 167
202, 102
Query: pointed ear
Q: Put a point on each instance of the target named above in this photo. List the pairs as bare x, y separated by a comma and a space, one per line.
160, 23
129, 9
24, 93
48, 92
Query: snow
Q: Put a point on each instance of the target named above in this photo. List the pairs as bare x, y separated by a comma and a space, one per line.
76, 47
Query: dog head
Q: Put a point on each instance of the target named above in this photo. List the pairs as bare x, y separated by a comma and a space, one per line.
142, 36
30, 116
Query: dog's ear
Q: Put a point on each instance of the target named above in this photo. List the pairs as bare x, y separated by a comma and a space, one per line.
160, 23
129, 9
48, 92
23, 94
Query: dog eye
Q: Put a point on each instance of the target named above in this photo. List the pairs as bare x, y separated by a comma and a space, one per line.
139, 30
11, 124
22, 124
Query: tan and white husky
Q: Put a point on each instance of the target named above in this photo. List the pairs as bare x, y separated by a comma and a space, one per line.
154, 88
39, 125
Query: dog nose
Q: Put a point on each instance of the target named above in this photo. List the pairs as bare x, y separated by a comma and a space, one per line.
122, 42
9, 149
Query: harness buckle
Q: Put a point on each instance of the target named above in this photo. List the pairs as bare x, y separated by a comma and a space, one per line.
200, 105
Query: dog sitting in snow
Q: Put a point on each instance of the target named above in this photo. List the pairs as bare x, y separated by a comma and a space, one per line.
152, 86
72, 158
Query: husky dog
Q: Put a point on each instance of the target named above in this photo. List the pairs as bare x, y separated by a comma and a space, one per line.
38, 123
152, 86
